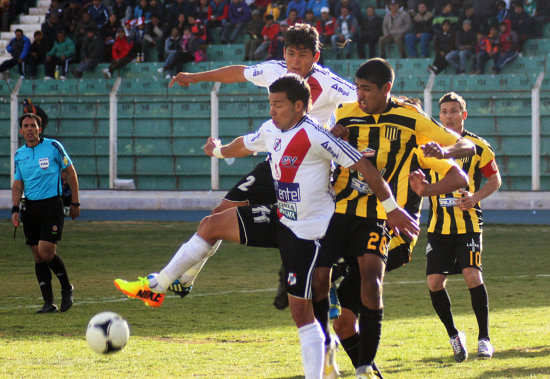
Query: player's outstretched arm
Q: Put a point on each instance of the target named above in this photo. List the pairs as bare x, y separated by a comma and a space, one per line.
453, 180
16, 194
398, 219
235, 149
72, 178
227, 74
470, 199
461, 149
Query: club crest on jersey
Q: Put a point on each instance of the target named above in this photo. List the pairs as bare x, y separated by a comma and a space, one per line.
291, 279
277, 144
329, 149
287, 191
288, 161
368, 152
44, 163
392, 133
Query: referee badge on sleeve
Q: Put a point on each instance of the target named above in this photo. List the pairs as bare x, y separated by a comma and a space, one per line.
44, 163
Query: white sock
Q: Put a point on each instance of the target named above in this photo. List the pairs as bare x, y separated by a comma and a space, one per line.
189, 276
312, 341
191, 252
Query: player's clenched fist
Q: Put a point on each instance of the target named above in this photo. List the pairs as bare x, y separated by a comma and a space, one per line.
211, 144
182, 78
418, 182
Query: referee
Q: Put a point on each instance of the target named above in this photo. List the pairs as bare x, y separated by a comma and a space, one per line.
38, 166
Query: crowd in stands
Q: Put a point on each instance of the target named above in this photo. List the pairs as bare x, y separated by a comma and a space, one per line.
465, 34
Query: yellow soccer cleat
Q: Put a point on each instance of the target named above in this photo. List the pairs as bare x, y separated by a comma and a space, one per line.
140, 290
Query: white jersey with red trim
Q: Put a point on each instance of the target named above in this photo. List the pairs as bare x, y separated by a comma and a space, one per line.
327, 90
300, 166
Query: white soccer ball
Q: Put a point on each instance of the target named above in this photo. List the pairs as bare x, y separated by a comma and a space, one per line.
107, 333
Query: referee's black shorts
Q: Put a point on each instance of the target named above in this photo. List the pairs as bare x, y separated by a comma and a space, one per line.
255, 188
43, 220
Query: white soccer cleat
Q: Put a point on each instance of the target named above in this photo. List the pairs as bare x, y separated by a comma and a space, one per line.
484, 349
330, 370
458, 343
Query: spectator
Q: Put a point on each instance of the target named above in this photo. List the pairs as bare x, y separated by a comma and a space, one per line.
299, 5
91, 53
540, 11
316, 6
198, 29
270, 30
178, 7
507, 41
122, 11
81, 27
122, 53
254, 32
485, 49
310, 19
326, 27
29, 107
171, 47
371, 30
98, 13
273, 9
72, 15
187, 49
485, 10
502, 11
50, 28
293, 18
180, 23
4, 15
422, 32
233, 26
153, 41
201, 10
108, 35
464, 47
38, 55
522, 24
353, 6
62, 52
157, 9
19, 48
137, 36
445, 14
217, 12
396, 23
346, 31
55, 8
277, 47
260, 5
142, 11
469, 14
444, 43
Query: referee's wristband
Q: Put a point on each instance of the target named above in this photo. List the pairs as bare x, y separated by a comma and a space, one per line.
15, 209
389, 204
217, 152
75, 204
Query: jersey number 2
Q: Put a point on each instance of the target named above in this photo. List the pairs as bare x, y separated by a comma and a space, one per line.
246, 185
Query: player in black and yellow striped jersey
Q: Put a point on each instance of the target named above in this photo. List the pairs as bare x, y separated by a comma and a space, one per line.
455, 232
386, 131
409, 196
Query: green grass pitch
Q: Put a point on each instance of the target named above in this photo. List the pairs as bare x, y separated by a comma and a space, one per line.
228, 326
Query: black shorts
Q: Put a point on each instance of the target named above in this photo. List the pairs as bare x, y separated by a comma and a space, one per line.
43, 220
349, 291
258, 225
400, 252
256, 187
449, 254
352, 236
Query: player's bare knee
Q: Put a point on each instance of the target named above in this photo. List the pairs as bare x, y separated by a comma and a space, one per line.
472, 277
301, 312
208, 229
436, 282
344, 326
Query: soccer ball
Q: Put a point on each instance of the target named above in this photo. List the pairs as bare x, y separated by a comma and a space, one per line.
107, 333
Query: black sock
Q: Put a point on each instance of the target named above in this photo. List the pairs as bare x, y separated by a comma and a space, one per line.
351, 346
370, 329
442, 305
321, 311
44, 277
480, 304
58, 268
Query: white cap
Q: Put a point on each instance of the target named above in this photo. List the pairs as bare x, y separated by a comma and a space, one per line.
325, 10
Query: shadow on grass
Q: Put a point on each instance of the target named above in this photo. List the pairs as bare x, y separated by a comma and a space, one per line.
530, 352
515, 372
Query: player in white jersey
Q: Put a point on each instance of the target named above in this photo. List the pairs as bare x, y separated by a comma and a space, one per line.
302, 51
301, 152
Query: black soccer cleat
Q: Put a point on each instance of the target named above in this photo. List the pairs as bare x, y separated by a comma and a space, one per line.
67, 298
48, 308
180, 289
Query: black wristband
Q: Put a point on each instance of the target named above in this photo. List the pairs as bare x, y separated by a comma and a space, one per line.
75, 204
15, 209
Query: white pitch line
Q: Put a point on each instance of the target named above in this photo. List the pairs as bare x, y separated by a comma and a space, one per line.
121, 299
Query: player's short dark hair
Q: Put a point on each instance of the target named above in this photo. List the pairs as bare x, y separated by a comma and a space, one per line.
295, 87
377, 71
453, 97
303, 36
30, 115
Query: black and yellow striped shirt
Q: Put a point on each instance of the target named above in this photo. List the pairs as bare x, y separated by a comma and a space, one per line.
387, 140
445, 217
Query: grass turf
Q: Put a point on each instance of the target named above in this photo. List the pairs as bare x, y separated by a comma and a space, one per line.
227, 326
